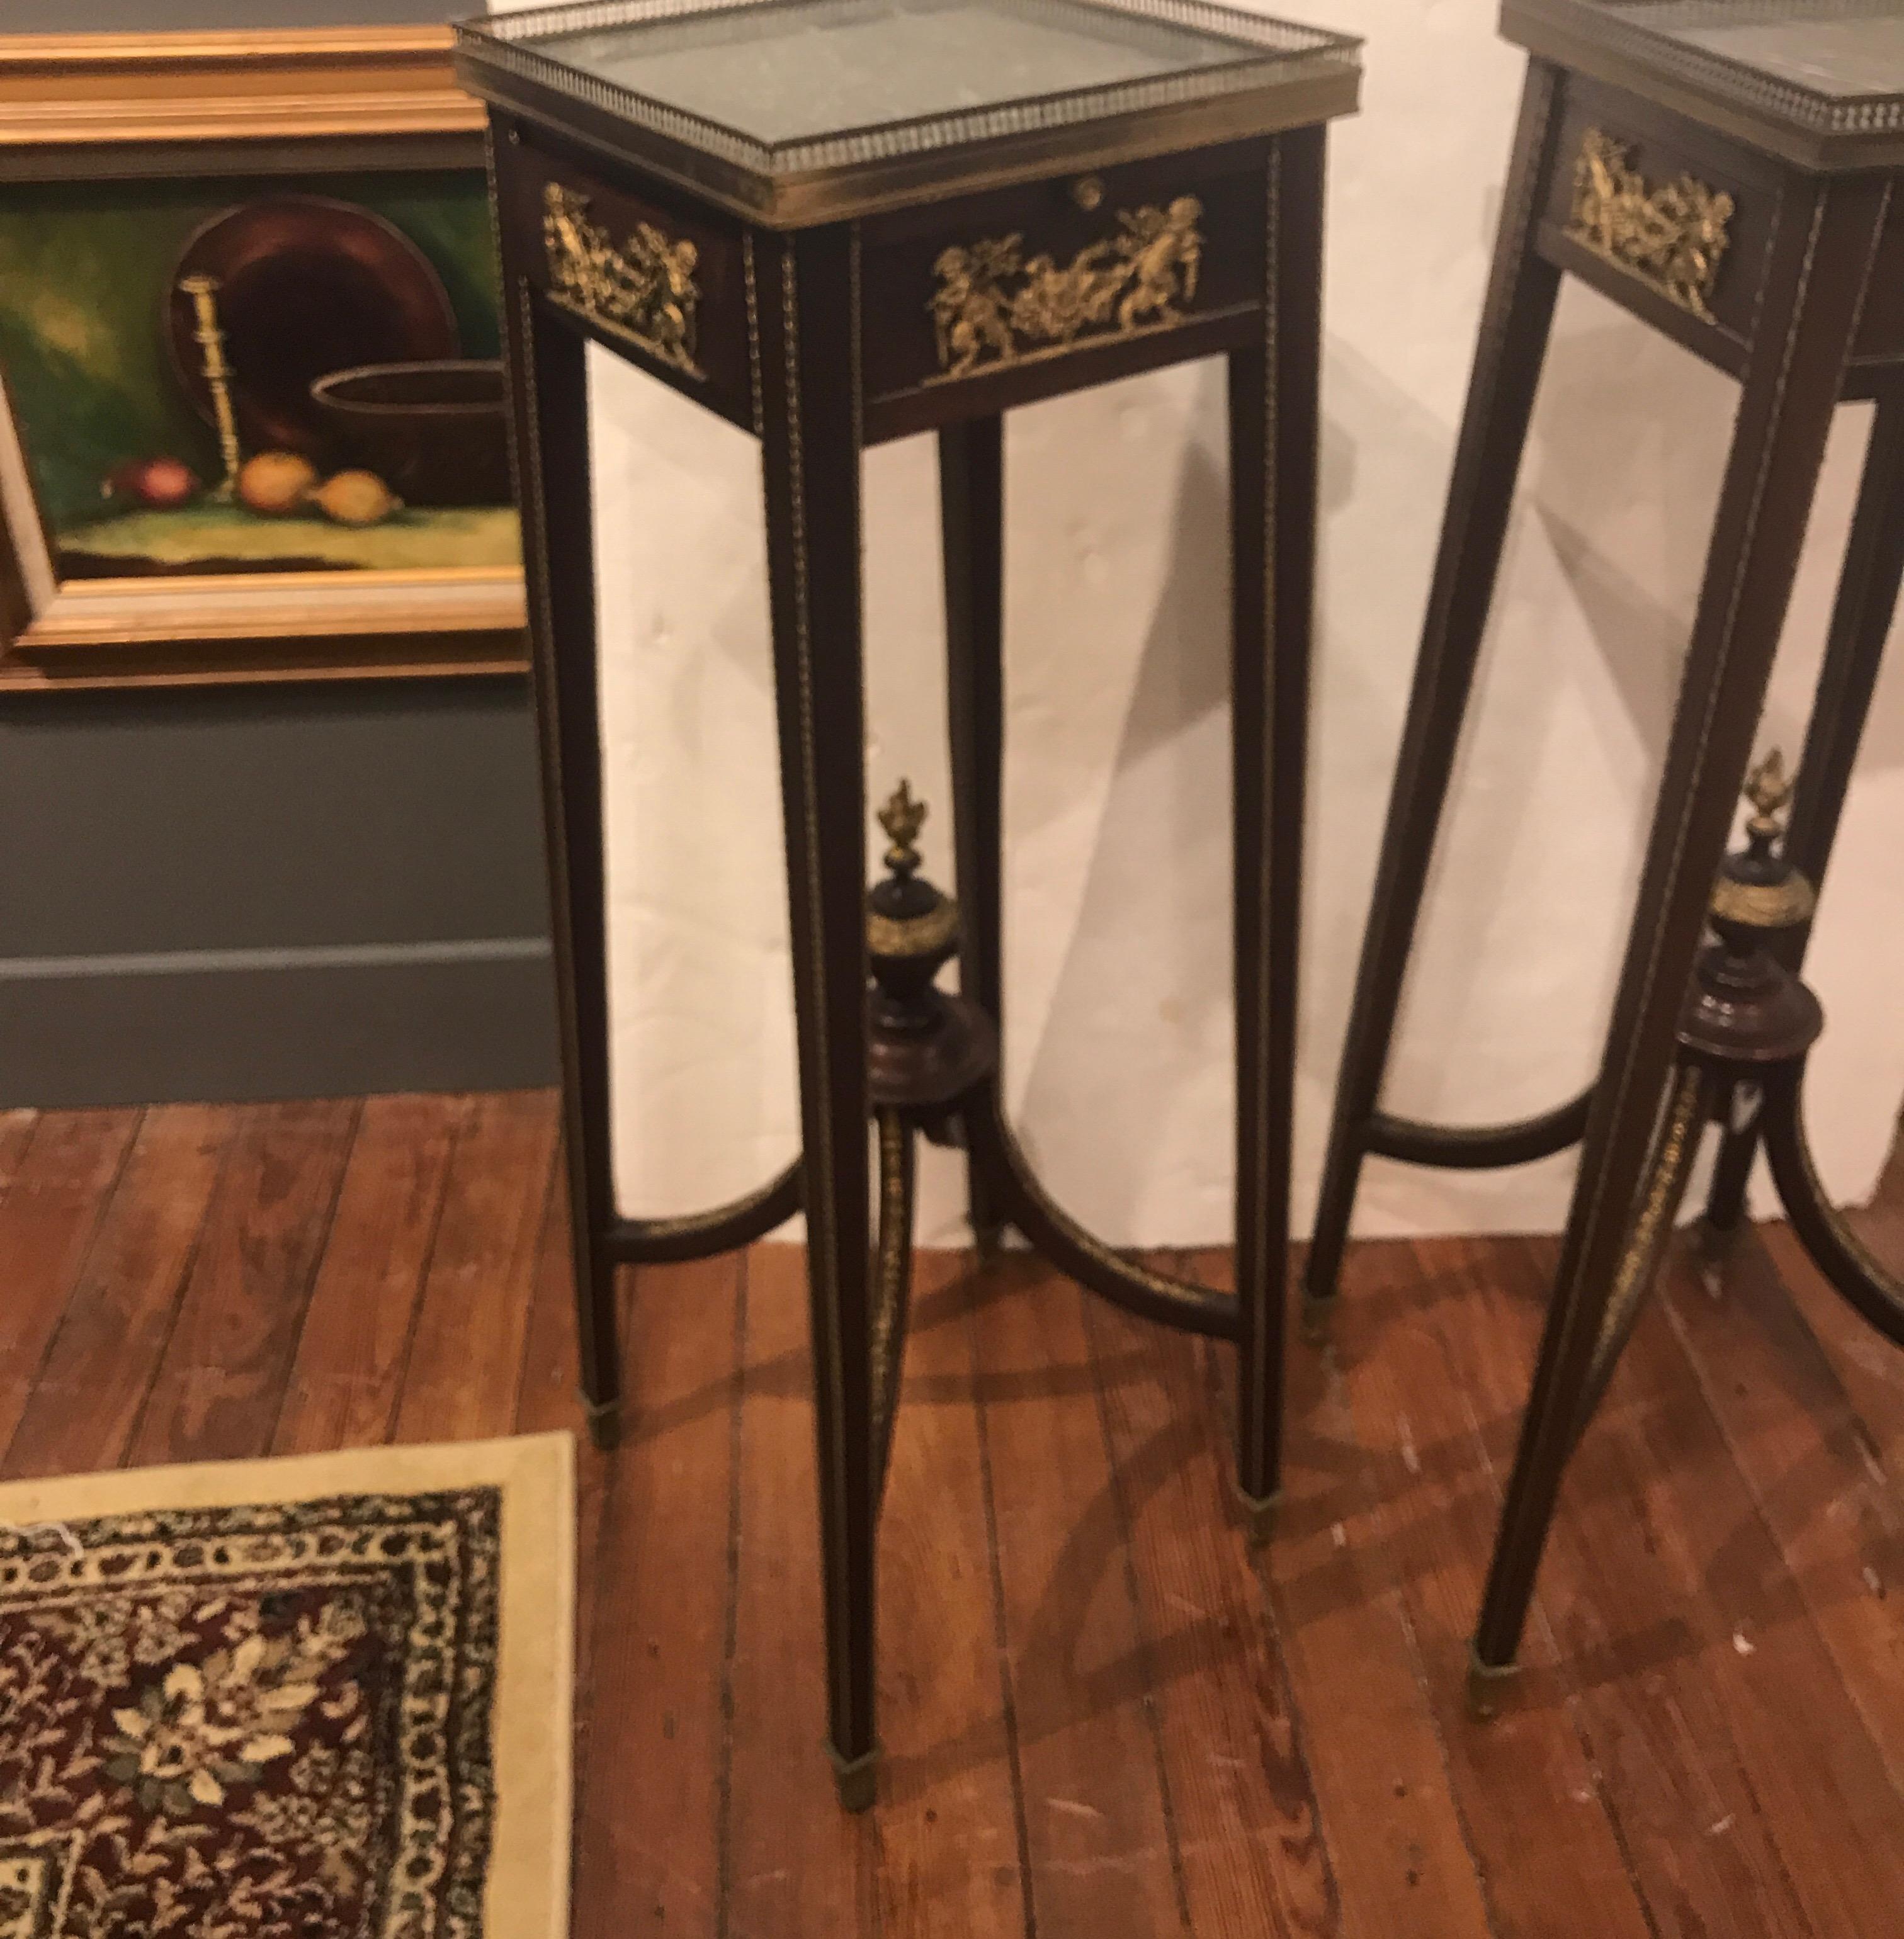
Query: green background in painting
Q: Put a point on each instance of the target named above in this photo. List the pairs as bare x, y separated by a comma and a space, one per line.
83, 271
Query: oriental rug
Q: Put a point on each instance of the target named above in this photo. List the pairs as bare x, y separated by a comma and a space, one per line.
326, 1697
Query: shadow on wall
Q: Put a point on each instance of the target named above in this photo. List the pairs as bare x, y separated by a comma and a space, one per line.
1151, 939
1532, 885
1648, 428
1118, 914
1146, 964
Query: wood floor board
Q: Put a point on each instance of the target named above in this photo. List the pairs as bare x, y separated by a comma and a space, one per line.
1102, 1845
463, 1373
17, 1129
547, 1402
93, 1384
792, 1862
1808, 1460
654, 1774
58, 1199
1868, 1366
548, 1397
1831, 1809
1531, 1806
1104, 1717
1651, 1665
1250, 1843
1397, 1844
348, 1374
948, 1858
221, 1380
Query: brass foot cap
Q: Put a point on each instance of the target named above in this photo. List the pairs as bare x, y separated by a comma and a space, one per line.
1318, 1313
1259, 1515
605, 1423
1717, 1241
1487, 1684
1714, 1250
857, 1780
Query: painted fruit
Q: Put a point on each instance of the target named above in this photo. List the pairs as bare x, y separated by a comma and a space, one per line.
275, 483
356, 498
159, 482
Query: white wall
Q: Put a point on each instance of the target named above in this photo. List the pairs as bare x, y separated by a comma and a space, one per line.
1117, 770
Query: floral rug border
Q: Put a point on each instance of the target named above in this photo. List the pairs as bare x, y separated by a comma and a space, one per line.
328, 1694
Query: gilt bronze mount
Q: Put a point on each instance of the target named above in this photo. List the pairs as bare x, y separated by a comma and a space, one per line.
991, 306
1673, 237
645, 290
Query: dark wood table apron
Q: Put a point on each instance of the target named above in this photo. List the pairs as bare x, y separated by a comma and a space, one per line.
823, 329
1666, 156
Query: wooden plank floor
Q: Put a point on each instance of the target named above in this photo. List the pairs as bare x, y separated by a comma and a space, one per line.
1102, 1717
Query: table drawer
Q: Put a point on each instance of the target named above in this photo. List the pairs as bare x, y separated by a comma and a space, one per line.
1673, 221
992, 286
657, 280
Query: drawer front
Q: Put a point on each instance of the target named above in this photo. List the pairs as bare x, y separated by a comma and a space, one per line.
990, 284
1665, 216
655, 279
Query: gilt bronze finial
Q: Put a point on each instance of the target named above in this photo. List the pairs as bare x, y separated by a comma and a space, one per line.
1768, 788
1758, 888
902, 818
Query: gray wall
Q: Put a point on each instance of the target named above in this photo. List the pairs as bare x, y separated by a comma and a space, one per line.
271, 892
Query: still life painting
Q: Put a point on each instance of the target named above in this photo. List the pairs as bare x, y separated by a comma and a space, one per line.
252, 418
294, 380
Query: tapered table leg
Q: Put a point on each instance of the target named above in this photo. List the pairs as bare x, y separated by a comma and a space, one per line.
971, 511
804, 310
551, 411
1274, 426
1516, 321
1824, 239
1860, 623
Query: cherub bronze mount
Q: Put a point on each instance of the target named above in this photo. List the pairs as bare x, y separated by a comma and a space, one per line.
993, 307
1673, 238
644, 290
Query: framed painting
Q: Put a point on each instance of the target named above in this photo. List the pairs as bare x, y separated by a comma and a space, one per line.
254, 422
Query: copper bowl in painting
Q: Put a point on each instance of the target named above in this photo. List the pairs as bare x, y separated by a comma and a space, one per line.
305, 284
433, 432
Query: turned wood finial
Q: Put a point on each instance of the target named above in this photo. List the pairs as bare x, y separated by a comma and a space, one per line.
902, 818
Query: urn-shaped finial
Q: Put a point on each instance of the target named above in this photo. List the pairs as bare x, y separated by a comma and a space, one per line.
1758, 888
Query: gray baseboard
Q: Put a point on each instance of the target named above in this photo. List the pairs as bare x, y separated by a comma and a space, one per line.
243, 1024
272, 893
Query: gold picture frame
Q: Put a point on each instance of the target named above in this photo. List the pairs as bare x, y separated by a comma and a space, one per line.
250, 113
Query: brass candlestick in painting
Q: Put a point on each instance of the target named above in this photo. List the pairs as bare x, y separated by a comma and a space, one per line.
203, 291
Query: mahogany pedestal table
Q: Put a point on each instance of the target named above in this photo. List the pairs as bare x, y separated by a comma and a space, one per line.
832, 223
